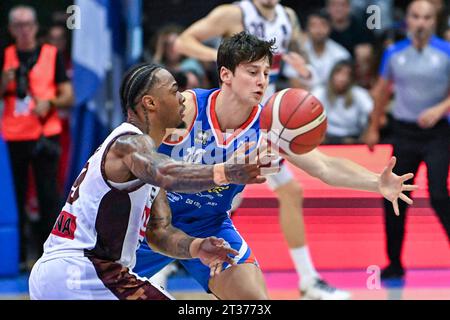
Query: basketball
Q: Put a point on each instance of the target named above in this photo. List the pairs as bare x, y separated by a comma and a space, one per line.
295, 121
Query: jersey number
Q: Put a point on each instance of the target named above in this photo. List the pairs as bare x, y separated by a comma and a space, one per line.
74, 193
257, 29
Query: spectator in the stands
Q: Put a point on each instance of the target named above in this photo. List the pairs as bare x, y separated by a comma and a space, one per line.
34, 86
347, 105
322, 52
352, 33
164, 54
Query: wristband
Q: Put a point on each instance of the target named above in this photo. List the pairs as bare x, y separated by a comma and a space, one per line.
194, 247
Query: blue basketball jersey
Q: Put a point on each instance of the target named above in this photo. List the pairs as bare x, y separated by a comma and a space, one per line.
206, 144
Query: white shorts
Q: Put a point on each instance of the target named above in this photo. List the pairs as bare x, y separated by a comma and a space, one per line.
83, 278
280, 178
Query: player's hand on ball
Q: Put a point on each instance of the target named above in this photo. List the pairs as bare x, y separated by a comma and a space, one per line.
392, 186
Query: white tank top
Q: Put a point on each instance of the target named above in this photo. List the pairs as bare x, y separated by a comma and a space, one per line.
280, 28
100, 218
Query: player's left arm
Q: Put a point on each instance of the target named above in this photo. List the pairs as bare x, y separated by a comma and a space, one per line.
163, 237
341, 172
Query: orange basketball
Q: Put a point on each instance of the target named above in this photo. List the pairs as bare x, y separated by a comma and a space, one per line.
295, 120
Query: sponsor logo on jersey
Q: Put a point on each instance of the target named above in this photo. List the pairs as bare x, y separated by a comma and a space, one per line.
65, 226
202, 137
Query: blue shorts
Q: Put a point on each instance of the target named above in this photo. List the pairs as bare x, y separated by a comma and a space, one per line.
148, 262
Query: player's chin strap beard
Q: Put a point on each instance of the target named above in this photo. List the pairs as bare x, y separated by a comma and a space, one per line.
134, 119
147, 123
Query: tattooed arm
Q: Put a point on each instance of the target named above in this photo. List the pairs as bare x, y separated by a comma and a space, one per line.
164, 238
140, 158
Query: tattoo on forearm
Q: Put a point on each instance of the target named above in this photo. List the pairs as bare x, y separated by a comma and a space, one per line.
170, 241
161, 235
183, 246
158, 222
158, 169
235, 173
186, 177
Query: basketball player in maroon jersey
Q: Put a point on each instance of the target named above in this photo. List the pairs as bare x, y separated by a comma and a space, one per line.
118, 199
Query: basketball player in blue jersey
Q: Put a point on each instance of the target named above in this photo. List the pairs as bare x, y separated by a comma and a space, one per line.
267, 19
243, 62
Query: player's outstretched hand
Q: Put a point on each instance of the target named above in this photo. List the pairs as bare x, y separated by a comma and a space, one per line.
213, 252
392, 186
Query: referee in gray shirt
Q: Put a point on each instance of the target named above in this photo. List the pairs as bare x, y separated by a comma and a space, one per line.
419, 70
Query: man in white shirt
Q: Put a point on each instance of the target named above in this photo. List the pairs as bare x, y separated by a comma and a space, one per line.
322, 52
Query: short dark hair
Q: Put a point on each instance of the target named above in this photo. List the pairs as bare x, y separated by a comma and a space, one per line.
243, 47
319, 13
136, 81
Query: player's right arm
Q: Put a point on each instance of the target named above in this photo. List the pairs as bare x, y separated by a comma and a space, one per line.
163, 237
135, 156
218, 23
